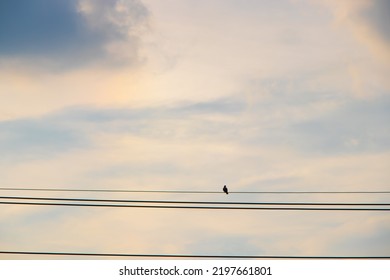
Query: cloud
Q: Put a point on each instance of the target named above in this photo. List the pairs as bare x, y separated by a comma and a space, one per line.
246, 102
224, 245
40, 26
368, 21
372, 237
37, 138
189, 120
377, 14
207, 137
355, 127
354, 235
77, 128
70, 33
371, 27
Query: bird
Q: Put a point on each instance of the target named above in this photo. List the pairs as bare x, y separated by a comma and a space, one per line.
225, 189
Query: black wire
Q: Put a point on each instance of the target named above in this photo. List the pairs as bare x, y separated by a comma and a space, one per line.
189, 256
194, 192
196, 207
194, 202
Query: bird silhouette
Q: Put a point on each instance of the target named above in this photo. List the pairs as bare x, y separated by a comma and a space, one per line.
225, 189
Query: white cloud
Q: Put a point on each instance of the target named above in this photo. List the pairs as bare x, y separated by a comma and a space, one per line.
256, 96
366, 20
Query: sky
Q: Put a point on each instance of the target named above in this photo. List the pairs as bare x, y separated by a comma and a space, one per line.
287, 95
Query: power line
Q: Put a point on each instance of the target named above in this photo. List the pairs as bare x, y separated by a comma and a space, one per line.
194, 202
195, 207
188, 256
191, 191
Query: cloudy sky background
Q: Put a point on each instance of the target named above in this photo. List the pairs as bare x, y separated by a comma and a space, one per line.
191, 95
